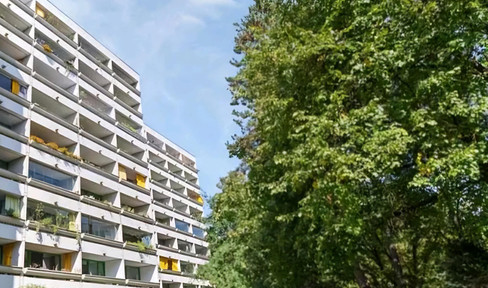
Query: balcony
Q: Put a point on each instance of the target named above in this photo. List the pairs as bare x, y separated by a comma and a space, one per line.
168, 242
184, 246
187, 268
55, 75
54, 50
97, 133
138, 271
12, 85
163, 219
188, 162
126, 79
42, 260
173, 153
160, 179
55, 24
135, 208
50, 218
129, 126
201, 251
190, 177
96, 160
92, 53
196, 213
52, 142
177, 187
126, 101
175, 170
137, 240
51, 176
99, 228
155, 142
182, 226
180, 207
12, 119
10, 17
12, 163
195, 196
131, 151
198, 232
54, 110
131, 177
95, 78
168, 264
96, 192
162, 199
14, 54
97, 106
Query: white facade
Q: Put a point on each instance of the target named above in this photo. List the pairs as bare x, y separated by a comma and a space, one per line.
89, 195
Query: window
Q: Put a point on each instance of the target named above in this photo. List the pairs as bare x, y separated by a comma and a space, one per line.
198, 232
42, 260
184, 246
180, 225
186, 267
5, 82
132, 273
50, 176
93, 267
12, 86
200, 250
10, 206
96, 227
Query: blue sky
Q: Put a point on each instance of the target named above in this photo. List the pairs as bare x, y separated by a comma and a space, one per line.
181, 49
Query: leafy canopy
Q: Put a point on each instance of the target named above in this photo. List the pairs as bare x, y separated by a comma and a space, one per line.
364, 147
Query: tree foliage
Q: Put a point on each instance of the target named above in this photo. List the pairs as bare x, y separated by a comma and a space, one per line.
364, 147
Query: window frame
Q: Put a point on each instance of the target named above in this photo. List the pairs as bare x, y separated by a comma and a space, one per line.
88, 261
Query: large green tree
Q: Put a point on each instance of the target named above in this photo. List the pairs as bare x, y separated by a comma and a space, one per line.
364, 147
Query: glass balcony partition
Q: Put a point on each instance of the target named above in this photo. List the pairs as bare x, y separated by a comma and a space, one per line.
51, 176
180, 225
200, 233
98, 228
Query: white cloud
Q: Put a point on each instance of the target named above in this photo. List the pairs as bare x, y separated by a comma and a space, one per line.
190, 19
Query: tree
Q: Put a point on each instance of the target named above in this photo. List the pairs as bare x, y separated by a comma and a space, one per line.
363, 147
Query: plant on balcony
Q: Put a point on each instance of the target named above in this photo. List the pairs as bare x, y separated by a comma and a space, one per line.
128, 126
47, 221
141, 246
44, 222
12, 213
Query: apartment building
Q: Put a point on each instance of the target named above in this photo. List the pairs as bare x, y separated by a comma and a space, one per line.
89, 195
